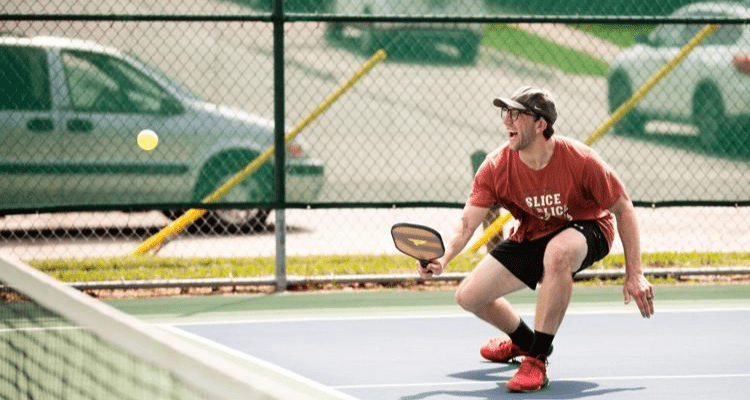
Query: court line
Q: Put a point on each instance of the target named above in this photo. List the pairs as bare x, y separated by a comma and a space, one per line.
270, 370
405, 314
401, 315
600, 378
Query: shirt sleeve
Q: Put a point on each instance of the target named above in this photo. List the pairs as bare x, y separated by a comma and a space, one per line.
482, 192
602, 184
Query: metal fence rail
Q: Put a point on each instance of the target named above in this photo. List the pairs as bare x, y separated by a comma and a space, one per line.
303, 281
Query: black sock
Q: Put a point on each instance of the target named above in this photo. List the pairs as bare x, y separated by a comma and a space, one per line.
541, 345
523, 336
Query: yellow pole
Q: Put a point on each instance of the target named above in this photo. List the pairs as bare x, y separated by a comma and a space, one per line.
497, 225
191, 215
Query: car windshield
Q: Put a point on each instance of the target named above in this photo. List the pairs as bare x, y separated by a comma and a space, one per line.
678, 35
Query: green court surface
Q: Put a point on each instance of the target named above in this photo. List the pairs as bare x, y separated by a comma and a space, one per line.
397, 344
385, 302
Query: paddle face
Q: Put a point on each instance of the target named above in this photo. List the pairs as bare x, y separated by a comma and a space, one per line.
418, 241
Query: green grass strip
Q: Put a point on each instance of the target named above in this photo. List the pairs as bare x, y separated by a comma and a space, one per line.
155, 268
621, 35
523, 44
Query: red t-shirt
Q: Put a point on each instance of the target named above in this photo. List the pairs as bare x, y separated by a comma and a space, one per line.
576, 184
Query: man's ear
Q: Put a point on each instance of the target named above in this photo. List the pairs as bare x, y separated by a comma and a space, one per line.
544, 124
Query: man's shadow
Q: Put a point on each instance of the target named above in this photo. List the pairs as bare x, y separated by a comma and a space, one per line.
557, 389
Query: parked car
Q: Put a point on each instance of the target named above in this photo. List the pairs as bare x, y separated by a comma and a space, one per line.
708, 89
459, 41
70, 111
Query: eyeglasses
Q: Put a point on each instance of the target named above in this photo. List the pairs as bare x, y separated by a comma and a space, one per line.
514, 113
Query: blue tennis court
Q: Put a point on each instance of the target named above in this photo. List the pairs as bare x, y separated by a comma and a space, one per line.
395, 345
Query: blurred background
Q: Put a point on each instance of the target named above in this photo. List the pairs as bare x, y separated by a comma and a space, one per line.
212, 78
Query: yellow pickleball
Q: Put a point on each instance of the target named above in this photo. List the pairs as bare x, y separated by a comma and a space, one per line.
147, 139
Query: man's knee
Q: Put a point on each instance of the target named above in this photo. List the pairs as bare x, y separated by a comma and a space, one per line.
475, 291
565, 253
465, 298
488, 282
563, 257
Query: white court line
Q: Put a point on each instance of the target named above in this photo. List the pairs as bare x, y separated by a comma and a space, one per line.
264, 367
599, 378
416, 314
271, 320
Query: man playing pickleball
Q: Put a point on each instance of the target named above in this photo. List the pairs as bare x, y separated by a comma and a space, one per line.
566, 200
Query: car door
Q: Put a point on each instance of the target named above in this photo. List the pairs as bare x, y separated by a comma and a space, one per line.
111, 101
29, 126
677, 86
663, 44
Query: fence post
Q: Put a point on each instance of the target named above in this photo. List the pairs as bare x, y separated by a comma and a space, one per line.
280, 143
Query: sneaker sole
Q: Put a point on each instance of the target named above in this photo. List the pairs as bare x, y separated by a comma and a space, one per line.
544, 385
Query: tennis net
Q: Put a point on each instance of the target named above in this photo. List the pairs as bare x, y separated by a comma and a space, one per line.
58, 343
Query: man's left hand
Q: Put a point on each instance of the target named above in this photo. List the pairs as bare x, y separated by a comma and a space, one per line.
642, 291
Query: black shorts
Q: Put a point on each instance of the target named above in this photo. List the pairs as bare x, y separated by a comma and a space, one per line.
525, 259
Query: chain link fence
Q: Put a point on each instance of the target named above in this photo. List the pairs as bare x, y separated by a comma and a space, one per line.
82, 79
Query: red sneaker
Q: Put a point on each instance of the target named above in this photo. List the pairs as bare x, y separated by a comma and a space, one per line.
531, 377
500, 349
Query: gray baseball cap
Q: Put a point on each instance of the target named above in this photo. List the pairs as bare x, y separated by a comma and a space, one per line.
533, 99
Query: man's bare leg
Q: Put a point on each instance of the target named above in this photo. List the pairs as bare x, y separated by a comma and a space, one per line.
564, 255
483, 291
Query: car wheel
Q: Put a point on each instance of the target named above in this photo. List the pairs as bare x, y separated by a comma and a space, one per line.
708, 115
739, 142
263, 5
251, 189
468, 49
334, 32
619, 91
468, 52
258, 187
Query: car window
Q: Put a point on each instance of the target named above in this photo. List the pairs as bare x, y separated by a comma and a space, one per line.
102, 83
679, 35
690, 31
723, 36
667, 36
726, 35
25, 76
